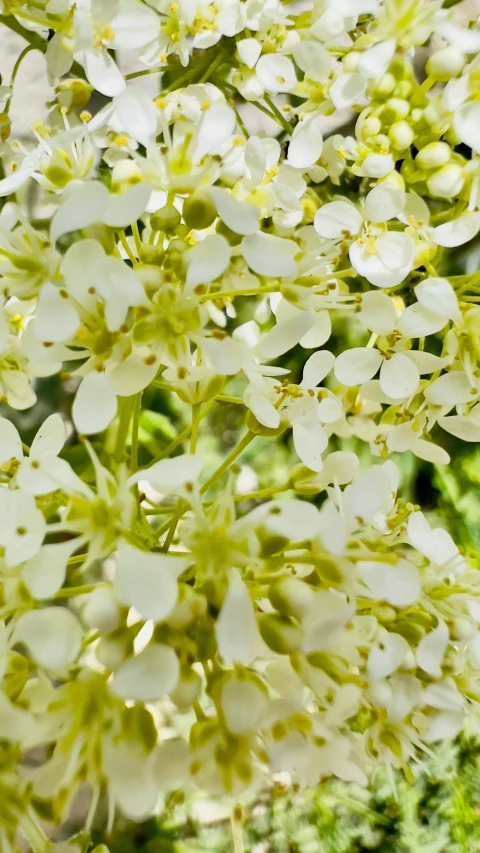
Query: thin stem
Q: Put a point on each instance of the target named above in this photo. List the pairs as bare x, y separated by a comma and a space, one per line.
126, 407
134, 74
283, 121
26, 50
228, 461
127, 248
225, 398
13, 25
237, 834
196, 409
137, 238
137, 408
262, 493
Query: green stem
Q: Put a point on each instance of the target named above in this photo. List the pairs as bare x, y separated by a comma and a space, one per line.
228, 461
26, 50
262, 493
145, 72
126, 406
13, 25
196, 408
137, 408
283, 121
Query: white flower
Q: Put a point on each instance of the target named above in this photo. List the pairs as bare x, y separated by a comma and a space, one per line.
22, 526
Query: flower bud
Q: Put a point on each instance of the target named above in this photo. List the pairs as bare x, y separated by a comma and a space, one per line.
165, 219
463, 628
433, 155
73, 94
395, 109
447, 182
401, 135
280, 633
110, 653
5, 126
199, 210
187, 690
445, 63
350, 61
371, 126
386, 84
292, 597
102, 612
126, 172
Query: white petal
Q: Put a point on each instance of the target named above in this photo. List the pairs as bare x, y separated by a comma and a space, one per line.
132, 375
226, 356
396, 249
399, 377
134, 26
319, 333
13, 182
52, 636
295, 519
378, 165
136, 113
430, 452
147, 581
384, 202
444, 696
148, 676
313, 60
431, 649
347, 89
217, 125
450, 389
387, 656
306, 143
378, 312
316, 368
461, 426
310, 441
425, 362
82, 264
84, 206
240, 216
102, 72
249, 50
375, 61
357, 365
276, 73
285, 335
458, 231
236, 627
10, 442
270, 256
123, 209
122, 763
45, 573
466, 40
340, 466
50, 438
399, 584
207, 260
171, 475
264, 411
95, 405
417, 322
369, 493
437, 295
337, 219
443, 726
437, 545
244, 705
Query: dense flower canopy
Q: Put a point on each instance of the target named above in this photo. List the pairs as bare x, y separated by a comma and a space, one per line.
317, 627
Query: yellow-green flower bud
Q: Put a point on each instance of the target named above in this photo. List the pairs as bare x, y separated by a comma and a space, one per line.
199, 211
73, 94
401, 135
386, 84
280, 633
445, 63
165, 219
292, 597
395, 109
447, 182
434, 155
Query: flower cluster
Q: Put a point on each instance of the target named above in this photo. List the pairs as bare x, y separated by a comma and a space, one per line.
158, 624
